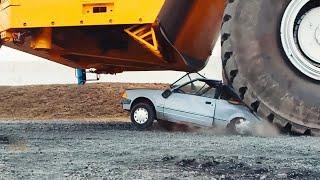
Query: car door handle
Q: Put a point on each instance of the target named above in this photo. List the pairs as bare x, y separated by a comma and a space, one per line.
208, 102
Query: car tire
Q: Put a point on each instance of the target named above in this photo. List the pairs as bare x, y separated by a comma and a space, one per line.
142, 116
232, 128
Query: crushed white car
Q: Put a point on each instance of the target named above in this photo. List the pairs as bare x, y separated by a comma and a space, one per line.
192, 99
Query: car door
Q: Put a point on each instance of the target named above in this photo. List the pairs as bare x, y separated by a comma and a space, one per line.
184, 105
228, 105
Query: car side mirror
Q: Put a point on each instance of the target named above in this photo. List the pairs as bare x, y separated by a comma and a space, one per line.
167, 93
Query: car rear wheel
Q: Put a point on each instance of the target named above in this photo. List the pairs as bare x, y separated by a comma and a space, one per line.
142, 116
239, 126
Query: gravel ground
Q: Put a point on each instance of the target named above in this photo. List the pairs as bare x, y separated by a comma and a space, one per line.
97, 150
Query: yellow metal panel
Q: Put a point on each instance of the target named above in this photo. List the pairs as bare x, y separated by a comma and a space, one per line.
57, 13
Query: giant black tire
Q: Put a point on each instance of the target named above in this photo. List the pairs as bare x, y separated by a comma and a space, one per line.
256, 66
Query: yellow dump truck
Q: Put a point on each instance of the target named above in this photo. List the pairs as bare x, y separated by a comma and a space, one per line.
270, 48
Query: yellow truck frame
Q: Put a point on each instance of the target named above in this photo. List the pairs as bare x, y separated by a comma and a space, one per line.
113, 36
58, 13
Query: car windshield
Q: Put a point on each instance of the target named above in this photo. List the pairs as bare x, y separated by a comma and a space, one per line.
186, 78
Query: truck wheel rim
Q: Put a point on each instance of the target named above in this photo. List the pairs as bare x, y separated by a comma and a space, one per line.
300, 36
141, 115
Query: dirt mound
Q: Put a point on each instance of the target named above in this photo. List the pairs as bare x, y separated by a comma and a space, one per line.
92, 101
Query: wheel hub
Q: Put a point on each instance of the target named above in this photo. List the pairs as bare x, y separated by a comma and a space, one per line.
141, 115
308, 34
300, 36
317, 34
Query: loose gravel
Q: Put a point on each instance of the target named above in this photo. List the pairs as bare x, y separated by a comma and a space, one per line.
98, 150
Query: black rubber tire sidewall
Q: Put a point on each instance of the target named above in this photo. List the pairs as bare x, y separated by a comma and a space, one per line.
151, 114
263, 67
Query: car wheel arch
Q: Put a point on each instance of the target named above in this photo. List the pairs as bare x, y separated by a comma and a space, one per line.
143, 100
236, 116
234, 119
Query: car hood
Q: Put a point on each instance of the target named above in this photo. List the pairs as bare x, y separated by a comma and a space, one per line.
133, 93
133, 89
144, 90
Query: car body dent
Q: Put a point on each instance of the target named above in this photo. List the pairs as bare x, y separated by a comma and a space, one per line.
178, 107
226, 111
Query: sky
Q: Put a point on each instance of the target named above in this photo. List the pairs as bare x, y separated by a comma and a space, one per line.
19, 68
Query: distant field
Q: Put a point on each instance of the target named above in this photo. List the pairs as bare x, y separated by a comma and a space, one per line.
92, 101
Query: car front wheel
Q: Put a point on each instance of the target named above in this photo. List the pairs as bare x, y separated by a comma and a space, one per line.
142, 116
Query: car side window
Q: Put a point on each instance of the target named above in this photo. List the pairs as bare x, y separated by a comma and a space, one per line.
210, 92
198, 88
192, 88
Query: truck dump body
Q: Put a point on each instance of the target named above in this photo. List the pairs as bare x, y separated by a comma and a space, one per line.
114, 36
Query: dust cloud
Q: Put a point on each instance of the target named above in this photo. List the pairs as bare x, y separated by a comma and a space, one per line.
266, 129
261, 129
